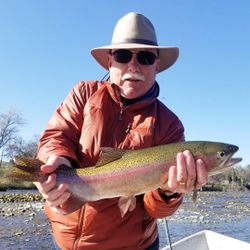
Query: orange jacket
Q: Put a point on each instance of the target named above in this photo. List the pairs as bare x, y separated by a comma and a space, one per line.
93, 116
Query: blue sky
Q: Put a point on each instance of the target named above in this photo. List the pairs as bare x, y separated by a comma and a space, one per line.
45, 50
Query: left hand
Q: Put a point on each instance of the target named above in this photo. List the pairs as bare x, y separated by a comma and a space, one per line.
187, 175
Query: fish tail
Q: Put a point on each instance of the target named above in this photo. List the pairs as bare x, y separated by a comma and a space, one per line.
21, 175
28, 164
27, 169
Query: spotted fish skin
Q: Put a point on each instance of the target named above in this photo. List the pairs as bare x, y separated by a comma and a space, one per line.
116, 169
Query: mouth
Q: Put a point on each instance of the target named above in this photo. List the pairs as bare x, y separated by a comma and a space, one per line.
233, 161
229, 161
132, 79
225, 165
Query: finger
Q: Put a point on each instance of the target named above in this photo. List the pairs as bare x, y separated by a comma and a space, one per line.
202, 174
46, 186
191, 170
48, 168
181, 168
60, 200
55, 160
55, 193
172, 179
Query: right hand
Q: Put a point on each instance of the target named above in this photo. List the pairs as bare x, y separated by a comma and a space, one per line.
186, 175
54, 195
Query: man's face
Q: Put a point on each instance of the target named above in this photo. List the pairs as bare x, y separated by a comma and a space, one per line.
135, 77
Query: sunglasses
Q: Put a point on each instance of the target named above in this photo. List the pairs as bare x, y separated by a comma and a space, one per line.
125, 56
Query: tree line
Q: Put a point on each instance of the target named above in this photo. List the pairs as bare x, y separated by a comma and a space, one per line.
11, 143
237, 178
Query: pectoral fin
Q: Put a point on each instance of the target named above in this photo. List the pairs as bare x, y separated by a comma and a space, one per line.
126, 204
194, 197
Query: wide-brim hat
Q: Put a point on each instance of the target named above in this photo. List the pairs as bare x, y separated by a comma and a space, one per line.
135, 31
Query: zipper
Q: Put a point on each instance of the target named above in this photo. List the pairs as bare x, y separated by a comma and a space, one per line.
122, 107
121, 111
128, 128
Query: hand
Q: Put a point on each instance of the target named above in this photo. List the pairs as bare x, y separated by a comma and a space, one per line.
187, 175
54, 195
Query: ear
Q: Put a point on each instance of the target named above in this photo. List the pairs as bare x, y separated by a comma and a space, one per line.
157, 66
110, 60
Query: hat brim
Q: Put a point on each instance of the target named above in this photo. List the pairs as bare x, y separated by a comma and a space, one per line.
167, 55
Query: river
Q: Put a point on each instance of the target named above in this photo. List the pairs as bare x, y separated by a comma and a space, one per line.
227, 213
24, 226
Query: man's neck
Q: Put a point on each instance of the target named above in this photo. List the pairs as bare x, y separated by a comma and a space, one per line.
150, 93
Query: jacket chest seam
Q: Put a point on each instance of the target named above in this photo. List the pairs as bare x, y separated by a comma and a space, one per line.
80, 227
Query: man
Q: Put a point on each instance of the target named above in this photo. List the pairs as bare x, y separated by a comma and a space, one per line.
123, 112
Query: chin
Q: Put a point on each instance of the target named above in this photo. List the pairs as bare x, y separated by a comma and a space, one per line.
131, 96
132, 93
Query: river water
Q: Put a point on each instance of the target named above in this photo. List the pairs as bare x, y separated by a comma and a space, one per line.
223, 212
178, 230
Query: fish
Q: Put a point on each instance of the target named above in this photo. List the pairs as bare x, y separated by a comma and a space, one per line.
126, 173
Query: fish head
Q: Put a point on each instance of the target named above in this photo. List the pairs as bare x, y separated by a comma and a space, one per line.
219, 157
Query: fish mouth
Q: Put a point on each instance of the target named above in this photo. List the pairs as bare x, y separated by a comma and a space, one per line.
225, 165
233, 161
229, 161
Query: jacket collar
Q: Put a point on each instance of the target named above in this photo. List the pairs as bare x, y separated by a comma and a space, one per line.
151, 95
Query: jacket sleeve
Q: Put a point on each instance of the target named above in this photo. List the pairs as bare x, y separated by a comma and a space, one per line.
159, 207
62, 132
169, 129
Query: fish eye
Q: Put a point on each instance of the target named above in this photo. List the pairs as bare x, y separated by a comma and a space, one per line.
221, 154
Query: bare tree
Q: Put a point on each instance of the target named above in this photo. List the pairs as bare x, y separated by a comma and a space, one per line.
10, 123
22, 148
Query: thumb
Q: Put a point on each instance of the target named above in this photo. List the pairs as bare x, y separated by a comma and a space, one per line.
47, 169
53, 162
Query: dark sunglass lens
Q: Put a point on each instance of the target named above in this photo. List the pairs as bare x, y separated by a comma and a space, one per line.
146, 57
122, 56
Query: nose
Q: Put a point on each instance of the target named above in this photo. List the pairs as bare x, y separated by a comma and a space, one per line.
133, 64
233, 148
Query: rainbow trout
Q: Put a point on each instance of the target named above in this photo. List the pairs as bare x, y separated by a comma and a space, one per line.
126, 173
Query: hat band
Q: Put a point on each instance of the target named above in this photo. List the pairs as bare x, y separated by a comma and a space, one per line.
140, 41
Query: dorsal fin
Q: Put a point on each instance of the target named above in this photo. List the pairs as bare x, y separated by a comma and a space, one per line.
109, 154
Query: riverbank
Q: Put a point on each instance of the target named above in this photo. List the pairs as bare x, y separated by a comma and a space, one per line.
24, 226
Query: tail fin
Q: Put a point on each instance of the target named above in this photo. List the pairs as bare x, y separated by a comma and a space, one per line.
28, 164
26, 169
21, 175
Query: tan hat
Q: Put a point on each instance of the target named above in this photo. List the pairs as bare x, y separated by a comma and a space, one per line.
134, 31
